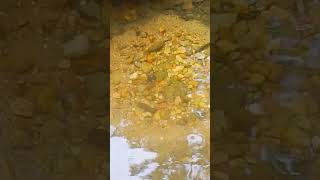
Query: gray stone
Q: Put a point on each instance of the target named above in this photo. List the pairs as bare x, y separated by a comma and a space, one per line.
77, 47
91, 9
255, 108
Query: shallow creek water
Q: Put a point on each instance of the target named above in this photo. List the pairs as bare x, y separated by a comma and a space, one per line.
160, 105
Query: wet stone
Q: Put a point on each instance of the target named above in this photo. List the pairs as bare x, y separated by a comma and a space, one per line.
64, 64
22, 107
91, 10
77, 47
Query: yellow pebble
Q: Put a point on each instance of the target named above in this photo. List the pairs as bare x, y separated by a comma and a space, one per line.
162, 29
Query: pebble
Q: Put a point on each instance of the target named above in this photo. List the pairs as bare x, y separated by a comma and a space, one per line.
64, 64
162, 30
133, 76
179, 58
116, 95
91, 9
167, 50
177, 100
180, 50
22, 107
180, 76
157, 115
178, 68
77, 47
199, 56
255, 108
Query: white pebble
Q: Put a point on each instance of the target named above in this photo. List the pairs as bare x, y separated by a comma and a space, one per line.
133, 76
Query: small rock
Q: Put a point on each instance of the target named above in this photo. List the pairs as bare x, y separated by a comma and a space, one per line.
179, 58
177, 100
162, 30
255, 108
116, 95
146, 107
133, 76
77, 47
64, 64
199, 56
181, 50
167, 50
178, 68
91, 9
146, 67
157, 115
22, 107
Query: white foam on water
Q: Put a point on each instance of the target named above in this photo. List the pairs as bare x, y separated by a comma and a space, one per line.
194, 140
112, 130
122, 157
195, 171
